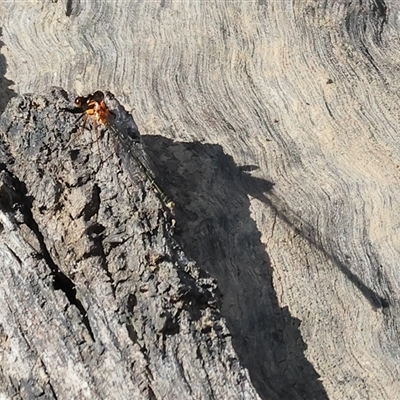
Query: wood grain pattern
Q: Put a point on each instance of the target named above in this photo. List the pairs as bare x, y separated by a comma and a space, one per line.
305, 244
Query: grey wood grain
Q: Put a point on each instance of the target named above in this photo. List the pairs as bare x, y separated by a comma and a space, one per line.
273, 125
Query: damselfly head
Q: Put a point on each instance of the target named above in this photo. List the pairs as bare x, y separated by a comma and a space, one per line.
89, 101
81, 101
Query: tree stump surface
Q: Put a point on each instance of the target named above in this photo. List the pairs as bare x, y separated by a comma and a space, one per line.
273, 126
98, 300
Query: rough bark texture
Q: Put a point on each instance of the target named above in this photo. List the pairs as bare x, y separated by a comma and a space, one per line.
98, 301
274, 127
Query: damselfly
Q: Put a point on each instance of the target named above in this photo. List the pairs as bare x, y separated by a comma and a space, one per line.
94, 107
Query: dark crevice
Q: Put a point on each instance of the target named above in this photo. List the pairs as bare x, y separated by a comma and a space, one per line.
151, 394
49, 384
68, 11
61, 281
368, 55
183, 375
328, 108
128, 311
95, 233
15, 255
131, 303
93, 205
109, 274
52, 390
171, 325
73, 8
131, 332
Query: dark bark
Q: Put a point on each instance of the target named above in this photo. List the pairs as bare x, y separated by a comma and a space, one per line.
97, 298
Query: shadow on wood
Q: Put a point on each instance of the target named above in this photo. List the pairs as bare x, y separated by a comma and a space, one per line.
215, 228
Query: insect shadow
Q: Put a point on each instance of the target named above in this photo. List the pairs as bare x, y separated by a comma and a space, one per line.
215, 228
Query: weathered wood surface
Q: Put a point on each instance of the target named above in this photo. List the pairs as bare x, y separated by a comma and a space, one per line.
97, 299
274, 124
